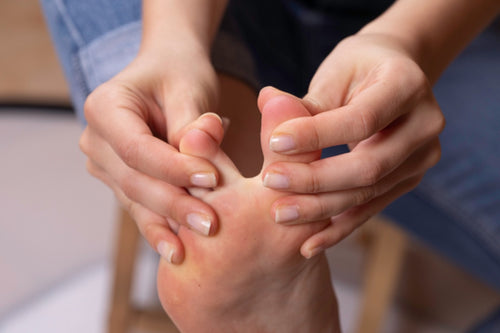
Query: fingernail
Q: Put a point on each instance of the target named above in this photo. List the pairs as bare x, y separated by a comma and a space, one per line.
203, 179
314, 252
276, 180
166, 251
286, 214
200, 223
281, 143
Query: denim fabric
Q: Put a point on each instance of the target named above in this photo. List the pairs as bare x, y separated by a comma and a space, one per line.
76, 24
465, 185
98, 38
455, 210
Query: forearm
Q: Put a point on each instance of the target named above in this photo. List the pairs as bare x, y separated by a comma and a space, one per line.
434, 32
189, 22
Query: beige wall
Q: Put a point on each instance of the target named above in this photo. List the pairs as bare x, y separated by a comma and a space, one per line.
28, 65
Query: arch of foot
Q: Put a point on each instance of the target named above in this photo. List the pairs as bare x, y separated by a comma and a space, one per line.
234, 280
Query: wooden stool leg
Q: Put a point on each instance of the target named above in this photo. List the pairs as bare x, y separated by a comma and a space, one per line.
126, 251
385, 254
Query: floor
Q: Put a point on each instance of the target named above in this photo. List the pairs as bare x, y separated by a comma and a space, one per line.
57, 223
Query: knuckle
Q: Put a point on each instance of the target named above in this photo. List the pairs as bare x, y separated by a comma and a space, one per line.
371, 172
315, 137
413, 182
92, 169
435, 154
171, 210
128, 186
83, 143
364, 195
93, 101
367, 124
320, 209
314, 184
129, 151
440, 122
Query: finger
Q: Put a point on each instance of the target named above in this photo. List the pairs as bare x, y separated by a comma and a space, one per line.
369, 111
345, 223
127, 132
153, 227
160, 197
276, 110
368, 162
298, 209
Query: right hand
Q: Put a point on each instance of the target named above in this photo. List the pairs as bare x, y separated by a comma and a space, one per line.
135, 122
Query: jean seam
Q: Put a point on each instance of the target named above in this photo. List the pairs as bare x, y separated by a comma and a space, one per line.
77, 37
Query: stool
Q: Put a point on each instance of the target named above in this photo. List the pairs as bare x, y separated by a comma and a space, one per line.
123, 316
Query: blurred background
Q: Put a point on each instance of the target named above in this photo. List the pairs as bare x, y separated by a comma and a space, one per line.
58, 225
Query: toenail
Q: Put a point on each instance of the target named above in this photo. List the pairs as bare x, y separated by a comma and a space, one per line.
281, 143
314, 251
286, 214
276, 180
200, 223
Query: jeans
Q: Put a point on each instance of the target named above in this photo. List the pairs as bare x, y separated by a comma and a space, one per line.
455, 209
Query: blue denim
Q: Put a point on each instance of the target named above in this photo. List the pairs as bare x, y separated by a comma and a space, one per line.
456, 208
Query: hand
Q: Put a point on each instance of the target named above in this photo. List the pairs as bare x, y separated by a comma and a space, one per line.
370, 94
135, 122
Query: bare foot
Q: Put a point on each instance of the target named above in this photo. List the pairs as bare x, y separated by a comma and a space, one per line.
250, 277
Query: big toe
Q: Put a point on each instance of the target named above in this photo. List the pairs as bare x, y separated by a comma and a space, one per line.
276, 109
202, 139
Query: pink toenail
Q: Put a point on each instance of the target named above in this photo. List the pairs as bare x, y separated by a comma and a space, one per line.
166, 251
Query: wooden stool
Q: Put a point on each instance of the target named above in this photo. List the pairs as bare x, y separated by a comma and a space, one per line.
384, 247
123, 316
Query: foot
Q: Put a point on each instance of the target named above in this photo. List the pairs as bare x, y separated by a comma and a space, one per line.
251, 276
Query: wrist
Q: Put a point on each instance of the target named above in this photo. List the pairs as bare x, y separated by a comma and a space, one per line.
434, 32
173, 23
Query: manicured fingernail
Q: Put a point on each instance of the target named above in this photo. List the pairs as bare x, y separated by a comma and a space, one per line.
203, 179
166, 251
281, 143
313, 252
286, 214
200, 223
276, 180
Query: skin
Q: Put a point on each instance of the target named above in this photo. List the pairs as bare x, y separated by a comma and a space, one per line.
372, 92
234, 281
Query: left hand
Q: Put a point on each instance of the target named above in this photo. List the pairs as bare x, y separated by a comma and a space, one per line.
370, 94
